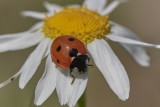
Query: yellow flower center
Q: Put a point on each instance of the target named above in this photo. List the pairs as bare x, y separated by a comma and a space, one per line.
84, 24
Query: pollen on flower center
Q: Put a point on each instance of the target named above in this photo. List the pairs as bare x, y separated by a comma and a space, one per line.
84, 24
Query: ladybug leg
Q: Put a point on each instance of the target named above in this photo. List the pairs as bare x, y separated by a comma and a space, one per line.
88, 59
73, 77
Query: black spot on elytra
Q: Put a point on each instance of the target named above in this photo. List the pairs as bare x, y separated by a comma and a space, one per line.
73, 52
59, 48
71, 39
58, 61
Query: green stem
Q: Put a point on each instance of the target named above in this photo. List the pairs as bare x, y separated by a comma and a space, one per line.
82, 101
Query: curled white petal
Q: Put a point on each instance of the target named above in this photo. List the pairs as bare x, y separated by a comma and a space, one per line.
63, 86
27, 40
10, 80
111, 67
112, 6
138, 53
95, 4
78, 88
47, 83
33, 14
69, 93
32, 63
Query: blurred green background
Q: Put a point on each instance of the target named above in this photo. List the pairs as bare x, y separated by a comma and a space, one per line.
142, 16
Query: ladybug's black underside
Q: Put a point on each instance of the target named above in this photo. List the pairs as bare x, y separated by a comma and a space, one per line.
79, 62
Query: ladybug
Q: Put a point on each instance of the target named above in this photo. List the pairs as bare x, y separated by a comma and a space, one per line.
70, 53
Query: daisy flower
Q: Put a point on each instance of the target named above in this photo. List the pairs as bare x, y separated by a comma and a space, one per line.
90, 24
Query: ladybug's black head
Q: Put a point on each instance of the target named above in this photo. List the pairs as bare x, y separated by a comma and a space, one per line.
80, 62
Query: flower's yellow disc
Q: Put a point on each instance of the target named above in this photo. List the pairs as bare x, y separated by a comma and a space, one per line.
84, 24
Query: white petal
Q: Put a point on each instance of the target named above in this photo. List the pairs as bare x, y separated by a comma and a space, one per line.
70, 93
36, 27
52, 7
10, 80
78, 88
120, 39
27, 40
32, 63
137, 52
49, 48
8, 37
95, 4
111, 67
63, 86
47, 83
112, 6
33, 14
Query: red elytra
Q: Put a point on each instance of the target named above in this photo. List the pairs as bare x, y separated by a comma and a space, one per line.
61, 48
